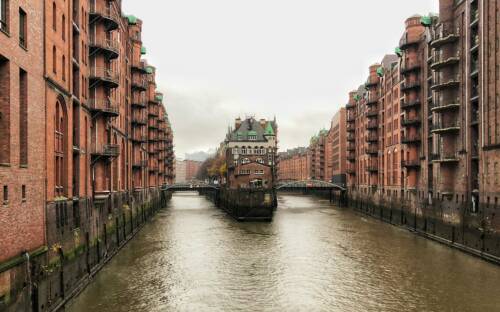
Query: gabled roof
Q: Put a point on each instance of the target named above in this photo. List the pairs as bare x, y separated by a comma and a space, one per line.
251, 127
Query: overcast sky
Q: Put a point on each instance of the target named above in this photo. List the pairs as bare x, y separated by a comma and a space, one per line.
296, 59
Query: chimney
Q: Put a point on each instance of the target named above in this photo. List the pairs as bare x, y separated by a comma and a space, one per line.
262, 123
237, 123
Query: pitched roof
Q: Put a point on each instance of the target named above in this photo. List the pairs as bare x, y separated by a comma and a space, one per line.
251, 127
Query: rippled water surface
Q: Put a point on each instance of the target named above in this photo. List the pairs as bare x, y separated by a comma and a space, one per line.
312, 257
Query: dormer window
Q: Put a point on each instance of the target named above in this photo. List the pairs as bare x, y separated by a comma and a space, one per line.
245, 161
252, 138
260, 160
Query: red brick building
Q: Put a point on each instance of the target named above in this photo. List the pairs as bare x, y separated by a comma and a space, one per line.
192, 168
251, 150
22, 148
336, 143
294, 165
87, 137
422, 133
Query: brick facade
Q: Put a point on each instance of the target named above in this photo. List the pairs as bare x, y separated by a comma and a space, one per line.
86, 144
437, 172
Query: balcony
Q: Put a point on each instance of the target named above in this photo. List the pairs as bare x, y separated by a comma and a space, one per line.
103, 107
445, 158
138, 164
350, 171
441, 127
408, 86
153, 112
372, 125
372, 149
410, 164
410, 121
372, 100
411, 138
104, 14
351, 147
372, 112
139, 102
139, 66
372, 138
110, 48
351, 119
371, 83
351, 156
445, 106
139, 121
105, 76
453, 82
153, 125
351, 137
351, 127
410, 67
445, 62
139, 138
406, 42
407, 104
106, 150
139, 84
372, 168
445, 37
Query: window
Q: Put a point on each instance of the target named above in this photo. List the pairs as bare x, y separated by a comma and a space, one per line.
260, 160
23, 29
54, 60
23, 118
4, 15
60, 147
5, 194
23, 193
5, 129
63, 28
63, 68
245, 161
252, 137
54, 16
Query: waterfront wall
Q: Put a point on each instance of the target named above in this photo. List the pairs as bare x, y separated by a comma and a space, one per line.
54, 274
245, 205
447, 220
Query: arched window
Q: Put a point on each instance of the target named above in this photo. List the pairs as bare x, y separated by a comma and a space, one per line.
60, 139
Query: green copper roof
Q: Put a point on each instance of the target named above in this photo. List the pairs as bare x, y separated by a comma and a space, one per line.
143, 50
132, 20
357, 97
426, 21
159, 97
150, 69
252, 132
398, 52
269, 129
380, 71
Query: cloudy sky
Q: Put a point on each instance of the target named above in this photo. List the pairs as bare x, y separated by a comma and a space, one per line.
296, 59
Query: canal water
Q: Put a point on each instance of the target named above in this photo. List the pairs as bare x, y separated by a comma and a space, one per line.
312, 257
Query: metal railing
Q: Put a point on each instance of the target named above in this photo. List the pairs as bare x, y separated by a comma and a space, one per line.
104, 73
101, 104
103, 43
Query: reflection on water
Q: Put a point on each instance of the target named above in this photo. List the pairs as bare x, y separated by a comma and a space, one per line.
312, 257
